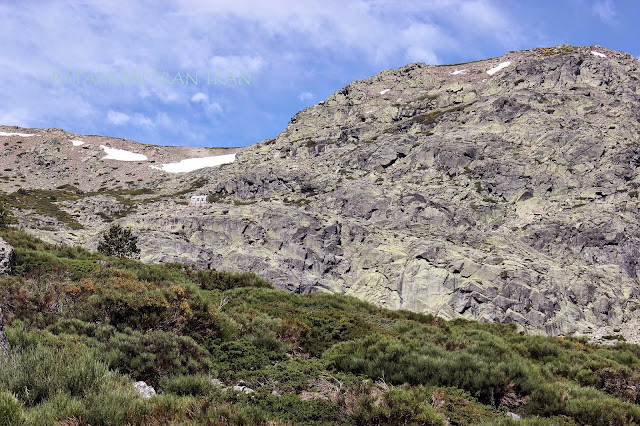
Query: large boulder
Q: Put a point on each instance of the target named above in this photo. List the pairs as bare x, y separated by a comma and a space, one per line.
7, 257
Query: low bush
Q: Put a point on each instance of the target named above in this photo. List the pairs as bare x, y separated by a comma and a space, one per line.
193, 385
11, 411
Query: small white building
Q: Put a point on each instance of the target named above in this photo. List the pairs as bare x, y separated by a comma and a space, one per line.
198, 200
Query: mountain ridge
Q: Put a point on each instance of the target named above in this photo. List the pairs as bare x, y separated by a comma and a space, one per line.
441, 189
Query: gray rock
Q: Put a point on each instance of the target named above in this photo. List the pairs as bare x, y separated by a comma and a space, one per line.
244, 389
514, 416
7, 258
511, 197
145, 390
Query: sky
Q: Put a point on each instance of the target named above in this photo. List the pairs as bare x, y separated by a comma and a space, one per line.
119, 68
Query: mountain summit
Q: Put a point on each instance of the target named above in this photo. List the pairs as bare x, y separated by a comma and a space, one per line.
502, 190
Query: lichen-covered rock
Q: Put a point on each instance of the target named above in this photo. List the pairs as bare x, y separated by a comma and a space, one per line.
508, 197
7, 257
144, 389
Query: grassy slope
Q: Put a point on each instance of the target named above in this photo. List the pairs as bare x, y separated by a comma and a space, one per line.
82, 333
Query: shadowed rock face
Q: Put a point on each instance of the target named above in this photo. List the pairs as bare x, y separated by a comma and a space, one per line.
440, 189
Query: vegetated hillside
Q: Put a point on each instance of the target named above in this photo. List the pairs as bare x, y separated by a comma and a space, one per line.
82, 332
503, 190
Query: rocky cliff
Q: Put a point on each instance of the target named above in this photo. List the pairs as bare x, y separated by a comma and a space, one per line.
501, 190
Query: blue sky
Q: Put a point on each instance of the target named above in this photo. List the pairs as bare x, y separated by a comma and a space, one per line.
67, 64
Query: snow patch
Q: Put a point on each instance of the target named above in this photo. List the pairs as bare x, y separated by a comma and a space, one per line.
369, 112
497, 68
602, 55
456, 72
24, 135
122, 154
191, 164
77, 142
384, 91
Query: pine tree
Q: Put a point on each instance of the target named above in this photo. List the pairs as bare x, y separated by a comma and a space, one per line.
119, 242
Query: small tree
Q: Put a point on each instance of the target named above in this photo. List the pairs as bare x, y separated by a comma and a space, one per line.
119, 242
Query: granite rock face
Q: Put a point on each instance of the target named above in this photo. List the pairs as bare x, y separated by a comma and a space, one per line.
510, 196
7, 257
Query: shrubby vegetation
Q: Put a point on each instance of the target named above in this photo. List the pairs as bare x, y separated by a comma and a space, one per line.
5, 215
83, 332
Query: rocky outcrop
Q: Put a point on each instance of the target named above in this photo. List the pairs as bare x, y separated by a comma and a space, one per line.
510, 196
7, 257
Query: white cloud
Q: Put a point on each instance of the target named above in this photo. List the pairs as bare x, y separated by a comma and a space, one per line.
118, 118
235, 64
285, 46
605, 10
200, 97
16, 117
164, 120
210, 107
214, 108
304, 96
142, 120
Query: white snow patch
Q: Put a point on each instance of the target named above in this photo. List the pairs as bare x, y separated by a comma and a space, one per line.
497, 68
602, 55
384, 91
122, 154
77, 142
24, 135
191, 164
369, 112
456, 72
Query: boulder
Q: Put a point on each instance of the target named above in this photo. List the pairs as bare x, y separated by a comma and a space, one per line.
244, 389
145, 390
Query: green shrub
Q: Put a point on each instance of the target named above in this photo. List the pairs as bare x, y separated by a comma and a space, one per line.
194, 385
5, 216
398, 405
547, 400
115, 407
222, 280
239, 355
37, 374
290, 407
589, 406
11, 411
239, 415
150, 356
58, 408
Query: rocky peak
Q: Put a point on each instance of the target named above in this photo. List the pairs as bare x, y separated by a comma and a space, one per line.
504, 189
